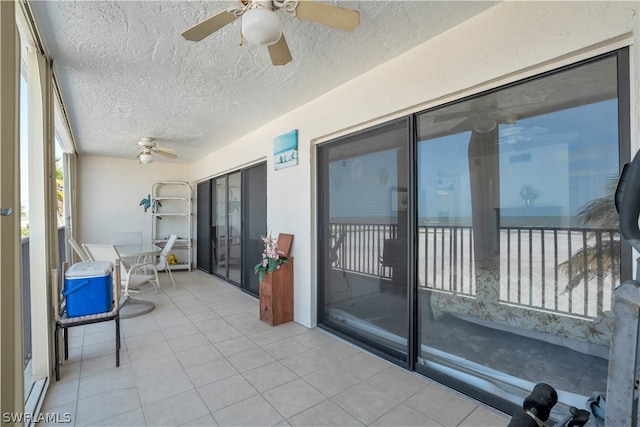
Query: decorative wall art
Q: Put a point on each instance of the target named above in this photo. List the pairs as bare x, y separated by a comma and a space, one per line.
285, 150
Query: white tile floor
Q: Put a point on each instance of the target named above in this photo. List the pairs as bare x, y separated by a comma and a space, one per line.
203, 358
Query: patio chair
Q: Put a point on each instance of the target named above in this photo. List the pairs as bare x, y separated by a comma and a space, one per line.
392, 256
79, 250
393, 259
163, 264
132, 276
63, 321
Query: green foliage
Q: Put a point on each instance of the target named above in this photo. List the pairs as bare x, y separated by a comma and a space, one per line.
271, 259
24, 219
59, 191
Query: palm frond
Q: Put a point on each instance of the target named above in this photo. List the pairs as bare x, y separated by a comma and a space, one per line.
583, 264
602, 211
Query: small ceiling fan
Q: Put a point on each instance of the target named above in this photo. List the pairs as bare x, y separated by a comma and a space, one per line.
261, 25
146, 149
483, 116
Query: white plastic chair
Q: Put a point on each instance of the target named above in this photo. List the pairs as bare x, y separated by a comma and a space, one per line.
132, 276
79, 250
163, 263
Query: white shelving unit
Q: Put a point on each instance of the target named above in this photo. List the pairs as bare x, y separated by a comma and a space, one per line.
172, 214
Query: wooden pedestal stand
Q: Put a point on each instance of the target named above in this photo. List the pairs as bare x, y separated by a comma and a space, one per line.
276, 295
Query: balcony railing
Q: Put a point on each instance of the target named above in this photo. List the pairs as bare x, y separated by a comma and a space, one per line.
357, 248
563, 270
570, 271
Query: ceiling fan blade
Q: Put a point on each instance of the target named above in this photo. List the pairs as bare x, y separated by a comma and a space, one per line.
279, 52
444, 117
326, 14
480, 107
169, 149
209, 26
169, 155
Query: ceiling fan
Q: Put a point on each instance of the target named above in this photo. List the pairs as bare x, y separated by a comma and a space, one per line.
146, 149
261, 25
483, 116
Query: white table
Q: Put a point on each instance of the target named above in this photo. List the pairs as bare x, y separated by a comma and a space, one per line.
144, 249
135, 251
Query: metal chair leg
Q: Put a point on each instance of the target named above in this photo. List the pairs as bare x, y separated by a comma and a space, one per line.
117, 340
65, 333
57, 351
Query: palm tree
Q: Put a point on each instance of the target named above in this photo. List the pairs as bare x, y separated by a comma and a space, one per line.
602, 214
24, 219
59, 191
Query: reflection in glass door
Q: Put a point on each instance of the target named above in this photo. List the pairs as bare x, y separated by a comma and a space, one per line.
518, 243
364, 195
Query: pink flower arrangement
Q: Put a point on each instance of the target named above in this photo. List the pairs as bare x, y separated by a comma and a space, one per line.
271, 259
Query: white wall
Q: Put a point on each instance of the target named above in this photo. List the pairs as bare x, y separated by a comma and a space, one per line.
109, 194
508, 42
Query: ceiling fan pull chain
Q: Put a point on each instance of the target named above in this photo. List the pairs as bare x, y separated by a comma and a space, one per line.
237, 11
288, 6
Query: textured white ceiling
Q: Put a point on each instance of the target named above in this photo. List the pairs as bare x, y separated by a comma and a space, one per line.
126, 72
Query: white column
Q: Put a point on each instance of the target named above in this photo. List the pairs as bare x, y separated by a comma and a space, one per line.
42, 208
11, 336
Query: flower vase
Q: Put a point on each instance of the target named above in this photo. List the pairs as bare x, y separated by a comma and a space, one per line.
276, 295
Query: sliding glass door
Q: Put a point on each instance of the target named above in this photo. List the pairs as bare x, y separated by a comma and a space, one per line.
477, 242
364, 238
219, 234
233, 236
254, 214
232, 215
204, 243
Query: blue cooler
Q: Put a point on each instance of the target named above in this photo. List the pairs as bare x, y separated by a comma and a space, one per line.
87, 288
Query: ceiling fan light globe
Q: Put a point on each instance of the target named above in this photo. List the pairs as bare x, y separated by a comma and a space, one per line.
261, 26
484, 125
146, 158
